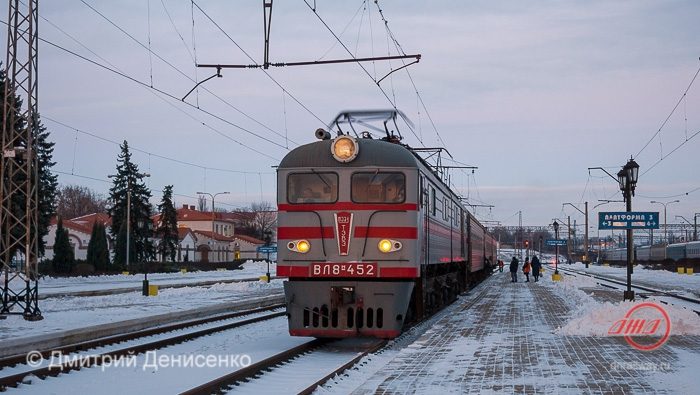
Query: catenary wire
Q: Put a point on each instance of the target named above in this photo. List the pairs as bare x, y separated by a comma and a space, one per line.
302, 105
189, 78
133, 148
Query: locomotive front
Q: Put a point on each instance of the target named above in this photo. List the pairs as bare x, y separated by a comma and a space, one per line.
348, 236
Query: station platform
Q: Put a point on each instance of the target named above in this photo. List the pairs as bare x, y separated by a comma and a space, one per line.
502, 338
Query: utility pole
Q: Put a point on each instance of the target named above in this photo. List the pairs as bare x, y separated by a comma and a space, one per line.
586, 260
568, 240
520, 231
19, 176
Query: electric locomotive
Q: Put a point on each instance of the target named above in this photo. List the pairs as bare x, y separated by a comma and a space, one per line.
369, 235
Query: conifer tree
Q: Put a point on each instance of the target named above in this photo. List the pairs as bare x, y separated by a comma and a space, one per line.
167, 228
63, 258
98, 249
128, 178
47, 182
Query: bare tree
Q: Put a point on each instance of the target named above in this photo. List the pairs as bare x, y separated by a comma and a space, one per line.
202, 203
76, 200
265, 218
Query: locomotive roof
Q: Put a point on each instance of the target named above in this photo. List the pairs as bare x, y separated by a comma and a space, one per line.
372, 152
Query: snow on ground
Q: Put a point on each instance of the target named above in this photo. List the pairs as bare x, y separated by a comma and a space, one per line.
660, 279
58, 285
176, 368
545, 337
595, 318
66, 313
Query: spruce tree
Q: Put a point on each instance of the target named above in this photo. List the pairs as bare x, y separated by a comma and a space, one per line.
63, 258
167, 228
128, 177
98, 250
47, 182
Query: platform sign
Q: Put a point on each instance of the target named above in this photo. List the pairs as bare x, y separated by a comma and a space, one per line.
555, 242
267, 249
628, 220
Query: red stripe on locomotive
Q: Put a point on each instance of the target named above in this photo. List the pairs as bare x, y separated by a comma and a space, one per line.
305, 232
399, 232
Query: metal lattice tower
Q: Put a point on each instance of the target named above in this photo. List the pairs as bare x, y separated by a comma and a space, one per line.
19, 165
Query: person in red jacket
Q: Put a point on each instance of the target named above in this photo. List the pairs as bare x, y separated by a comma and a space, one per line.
526, 269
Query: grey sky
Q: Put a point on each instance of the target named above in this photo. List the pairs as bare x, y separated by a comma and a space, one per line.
532, 92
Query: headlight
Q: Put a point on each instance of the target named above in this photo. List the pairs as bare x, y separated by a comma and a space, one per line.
389, 245
301, 246
344, 149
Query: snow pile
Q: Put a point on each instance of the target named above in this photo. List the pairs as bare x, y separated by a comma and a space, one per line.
596, 319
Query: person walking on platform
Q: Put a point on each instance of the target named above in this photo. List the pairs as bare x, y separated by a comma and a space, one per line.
536, 266
514, 270
500, 265
526, 269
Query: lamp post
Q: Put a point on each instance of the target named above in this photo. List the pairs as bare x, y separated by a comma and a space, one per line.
268, 241
212, 205
213, 219
556, 248
627, 177
128, 227
585, 236
665, 223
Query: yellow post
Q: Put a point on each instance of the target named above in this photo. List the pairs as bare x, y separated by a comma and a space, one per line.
265, 279
681, 270
556, 277
152, 290
606, 264
237, 255
183, 270
125, 273
689, 270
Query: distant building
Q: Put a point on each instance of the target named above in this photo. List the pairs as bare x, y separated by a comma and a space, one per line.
79, 233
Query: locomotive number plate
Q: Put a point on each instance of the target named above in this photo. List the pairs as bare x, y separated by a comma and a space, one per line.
343, 269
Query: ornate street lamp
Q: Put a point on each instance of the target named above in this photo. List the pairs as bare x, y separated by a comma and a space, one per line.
627, 178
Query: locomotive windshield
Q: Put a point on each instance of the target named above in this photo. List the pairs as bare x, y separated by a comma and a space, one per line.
378, 187
312, 188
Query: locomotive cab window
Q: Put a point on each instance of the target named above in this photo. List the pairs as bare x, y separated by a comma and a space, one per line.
378, 187
312, 188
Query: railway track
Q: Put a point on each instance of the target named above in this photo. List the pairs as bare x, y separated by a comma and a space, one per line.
648, 291
305, 360
124, 290
11, 363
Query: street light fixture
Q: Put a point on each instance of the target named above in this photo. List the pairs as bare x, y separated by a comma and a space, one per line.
213, 214
665, 223
128, 226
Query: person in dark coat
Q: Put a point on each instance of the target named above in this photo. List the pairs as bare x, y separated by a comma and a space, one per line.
536, 265
514, 270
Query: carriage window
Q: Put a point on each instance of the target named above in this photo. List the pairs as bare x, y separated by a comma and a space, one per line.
312, 188
433, 203
378, 187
